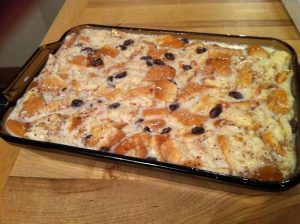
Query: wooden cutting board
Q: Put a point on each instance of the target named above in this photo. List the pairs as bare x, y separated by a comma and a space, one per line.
45, 187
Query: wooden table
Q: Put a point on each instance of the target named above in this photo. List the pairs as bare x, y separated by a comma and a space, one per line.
44, 187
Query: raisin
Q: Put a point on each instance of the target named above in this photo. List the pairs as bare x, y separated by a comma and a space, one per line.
169, 56
114, 105
173, 106
76, 103
151, 158
121, 75
96, 62
200, 50
149, 63
158, 62
122, 47
87, 137
146, 129
111, 85
147, 57
216, 111
128, 42
185, 40
104, 149
166, 130
236, 95
110, 78
172, 81
87, 50
140, 120
294, 125
100, 101
187, 67
197, 130
63, 89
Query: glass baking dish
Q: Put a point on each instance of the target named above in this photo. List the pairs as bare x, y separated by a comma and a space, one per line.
36, 62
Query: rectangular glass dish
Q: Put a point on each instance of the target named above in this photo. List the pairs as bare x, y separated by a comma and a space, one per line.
220, 107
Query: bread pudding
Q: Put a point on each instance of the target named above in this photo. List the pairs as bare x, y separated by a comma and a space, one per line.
213, 106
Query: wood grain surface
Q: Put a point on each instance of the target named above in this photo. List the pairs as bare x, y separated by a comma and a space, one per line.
45, 187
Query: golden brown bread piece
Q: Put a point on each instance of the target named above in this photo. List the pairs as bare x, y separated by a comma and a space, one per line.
160, 72
155, 124
245, 77
113, 136
165, 90
257, 51
155, 111
220, 64
243, 105
272, 144
140, 91
223, 52
171, 41
281, 77
206, 103
78, 60
173, 151
112, 95
191, 89
32, 105
263, 86
138, 143
51, 83
187, 118
75, 121
268, 173
83, 39
153, 50
17, 128
277, 101
224, 145
108, 50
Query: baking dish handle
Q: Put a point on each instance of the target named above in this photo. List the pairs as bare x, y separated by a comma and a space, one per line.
27, 73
